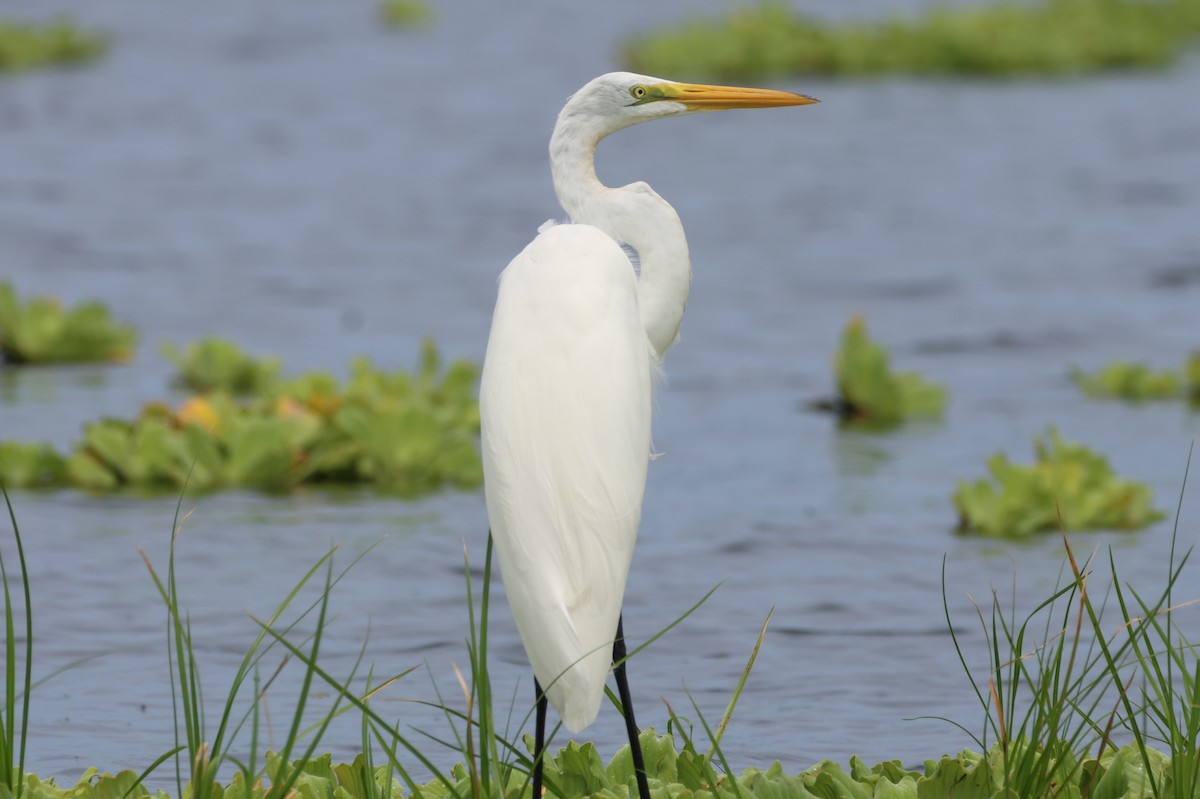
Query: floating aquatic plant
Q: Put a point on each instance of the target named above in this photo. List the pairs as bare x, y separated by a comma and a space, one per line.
1138, 382
405, 13
217, 364
1135, 382
40, 330
1053, 37
30, 465
24, 45
1067, 487
408, 433
870, 394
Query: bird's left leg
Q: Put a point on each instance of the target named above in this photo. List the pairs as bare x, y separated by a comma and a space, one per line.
539, 745
635, 747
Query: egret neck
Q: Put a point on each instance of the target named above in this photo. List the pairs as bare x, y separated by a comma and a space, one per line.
633, 215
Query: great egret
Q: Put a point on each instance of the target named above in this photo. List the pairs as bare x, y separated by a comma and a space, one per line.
577, 336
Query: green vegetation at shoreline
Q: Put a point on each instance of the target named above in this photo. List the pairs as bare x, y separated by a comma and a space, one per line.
1053, 706
26, 45
677, 773
40, 330
1005, 39
1068, 487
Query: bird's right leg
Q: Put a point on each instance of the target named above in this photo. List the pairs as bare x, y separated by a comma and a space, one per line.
539, 746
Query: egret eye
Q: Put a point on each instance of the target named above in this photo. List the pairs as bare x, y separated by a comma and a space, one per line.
638, 92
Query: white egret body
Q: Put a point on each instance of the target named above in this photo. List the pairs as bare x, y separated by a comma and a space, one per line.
565, 397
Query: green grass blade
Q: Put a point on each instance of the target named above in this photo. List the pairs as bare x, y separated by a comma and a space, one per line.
366, 710
670, 626
737, 692
163, 758
9, 730
305, 691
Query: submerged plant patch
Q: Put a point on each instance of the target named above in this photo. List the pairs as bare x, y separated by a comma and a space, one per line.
1006, 38
1067, 487
870, 394
24, 45
40, 330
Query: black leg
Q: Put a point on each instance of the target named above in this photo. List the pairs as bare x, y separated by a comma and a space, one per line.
539, 746
635, 747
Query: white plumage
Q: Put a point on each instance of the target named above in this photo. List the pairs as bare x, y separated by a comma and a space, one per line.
565, 496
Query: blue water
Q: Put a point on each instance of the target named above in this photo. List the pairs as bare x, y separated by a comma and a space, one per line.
296, 177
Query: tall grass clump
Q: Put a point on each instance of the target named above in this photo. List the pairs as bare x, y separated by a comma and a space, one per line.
200, 751
294, 769
491, 764
1005, 39
1074, 705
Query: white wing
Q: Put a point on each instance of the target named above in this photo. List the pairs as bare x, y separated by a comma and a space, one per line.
565, 410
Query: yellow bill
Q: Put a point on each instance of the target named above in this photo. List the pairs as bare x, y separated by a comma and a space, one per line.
701, 97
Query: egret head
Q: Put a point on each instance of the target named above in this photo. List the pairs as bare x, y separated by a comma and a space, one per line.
619, 99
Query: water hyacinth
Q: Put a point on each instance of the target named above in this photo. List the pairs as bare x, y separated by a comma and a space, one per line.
40, 330
1007, 38
870, 394
1068, 487
25, 45
217, 364
1134, 382
407, 433
30, 465
405, 13
1191, 375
